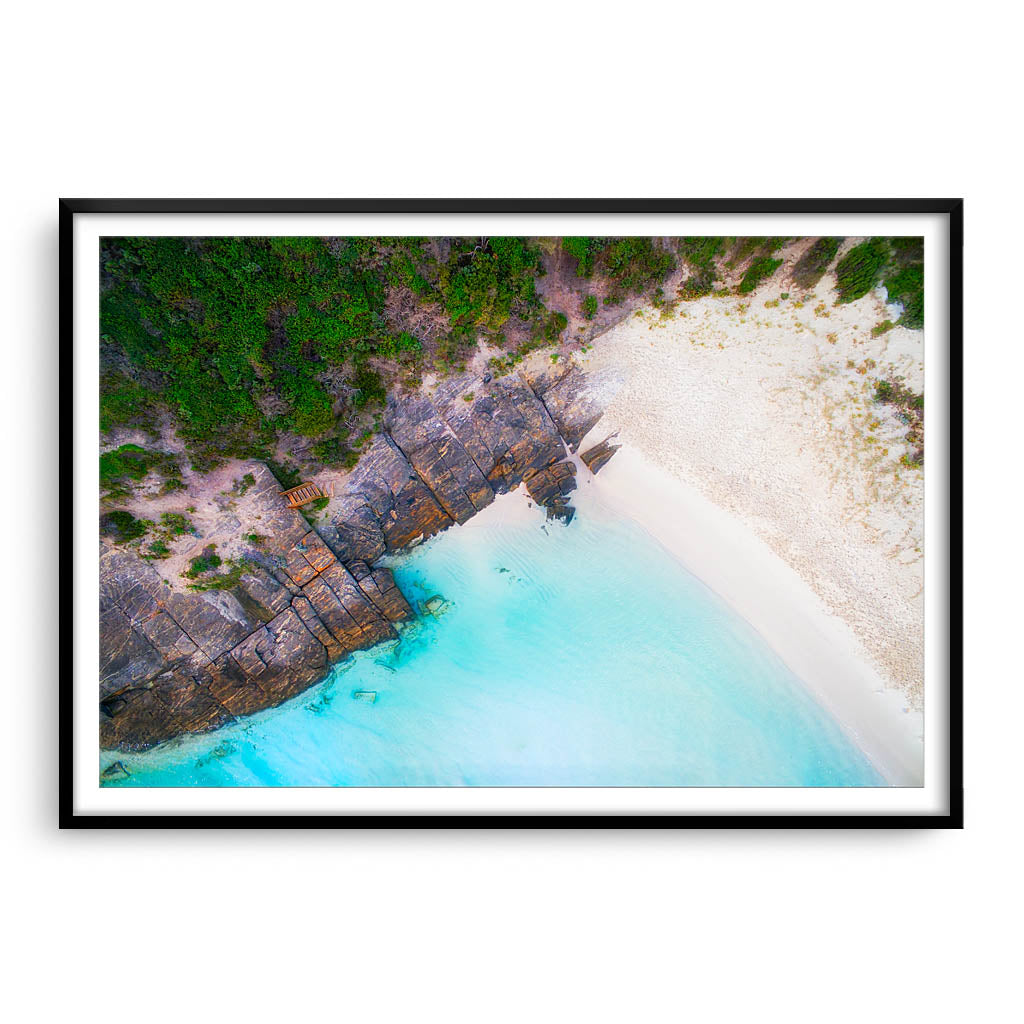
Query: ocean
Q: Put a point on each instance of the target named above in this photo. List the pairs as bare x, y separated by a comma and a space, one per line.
544, 655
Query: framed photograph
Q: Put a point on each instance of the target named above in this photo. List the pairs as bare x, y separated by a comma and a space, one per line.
536, 513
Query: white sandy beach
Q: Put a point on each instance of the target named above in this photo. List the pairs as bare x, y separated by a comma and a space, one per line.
754, 452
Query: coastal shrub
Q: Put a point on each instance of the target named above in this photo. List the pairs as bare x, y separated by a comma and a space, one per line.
746, 247
760, 270
392, 346
286, 474
125, 403
583, 251
484, 280
589, 306
369, 387
554, 325
176, 524
635, 264
884, 327
700, 252
131, 463
235, 569
906, 286
861, 268
122, 525
206, 562
811, 267
331, 451
158, 549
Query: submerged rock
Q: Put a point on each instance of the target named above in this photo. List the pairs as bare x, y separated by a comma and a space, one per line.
436, 606
117, 770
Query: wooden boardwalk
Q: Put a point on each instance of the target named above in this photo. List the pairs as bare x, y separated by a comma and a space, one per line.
302, 495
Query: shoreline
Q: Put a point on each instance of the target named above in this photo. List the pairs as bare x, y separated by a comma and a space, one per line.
818, 647
754, 450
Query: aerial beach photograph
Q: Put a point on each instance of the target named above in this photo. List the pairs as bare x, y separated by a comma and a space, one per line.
511, 511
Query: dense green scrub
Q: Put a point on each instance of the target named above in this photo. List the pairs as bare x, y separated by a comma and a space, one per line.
236, 337
898, 263
630, 265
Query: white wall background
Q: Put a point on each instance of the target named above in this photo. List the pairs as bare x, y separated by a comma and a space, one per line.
645, 99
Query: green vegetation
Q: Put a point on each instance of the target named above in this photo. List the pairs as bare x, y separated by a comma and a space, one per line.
759, 270
861, 268
206, 562
215, 331
898, 263
811, 267
158, 549
744, 248
482, 283
904, 282
700, 253
236, 568
123, 526
287, 475
910, 406
176, 524
241, 486
583, 251
123, 402
131, 463
590, 306
634, 264
883, 328
554, 325
257, 540
631, 265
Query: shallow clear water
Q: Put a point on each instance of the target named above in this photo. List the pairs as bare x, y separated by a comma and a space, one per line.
579, 655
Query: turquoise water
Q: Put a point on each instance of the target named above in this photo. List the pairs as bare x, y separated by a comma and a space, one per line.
565, 656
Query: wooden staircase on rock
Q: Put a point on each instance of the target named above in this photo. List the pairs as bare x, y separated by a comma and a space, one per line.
302, 495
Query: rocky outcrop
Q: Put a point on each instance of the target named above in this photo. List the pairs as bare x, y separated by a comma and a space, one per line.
385, 507
470, 440
176, 662
596, 457
574, 400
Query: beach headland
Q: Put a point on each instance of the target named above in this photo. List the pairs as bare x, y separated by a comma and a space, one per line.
740, 426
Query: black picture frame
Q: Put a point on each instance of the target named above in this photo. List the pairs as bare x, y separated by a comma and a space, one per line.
953, 208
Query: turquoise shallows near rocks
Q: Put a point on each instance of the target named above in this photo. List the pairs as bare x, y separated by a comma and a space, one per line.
595, 660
